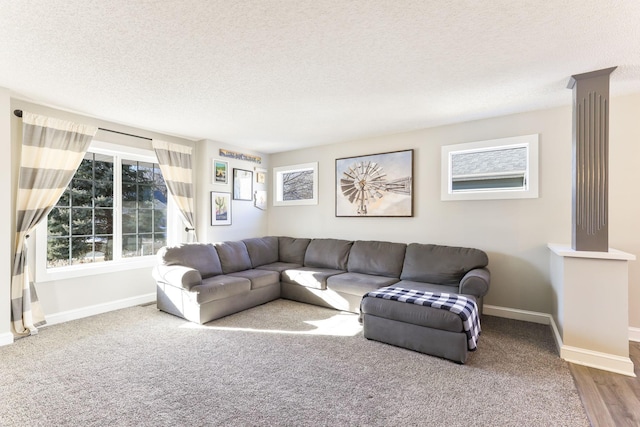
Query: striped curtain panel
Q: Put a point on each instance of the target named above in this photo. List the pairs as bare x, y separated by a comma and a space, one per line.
175, 164
52, 150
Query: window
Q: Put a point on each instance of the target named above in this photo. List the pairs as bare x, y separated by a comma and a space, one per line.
114, 211
496, 169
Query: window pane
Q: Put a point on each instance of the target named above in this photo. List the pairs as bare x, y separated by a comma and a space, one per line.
145, 196
146, 245
108, 248
81, 221
81, 192
145, 172
129, 245
497, 168
160, 240
158, 179
81, 250
145, 221
57, 252
85, 170
103, 168
103, 248
129, 220
103, 221
104, 194
129, 171
129, 196
160, 197
160, 220
58, 222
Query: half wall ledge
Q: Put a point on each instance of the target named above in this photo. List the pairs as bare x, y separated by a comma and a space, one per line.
590, 307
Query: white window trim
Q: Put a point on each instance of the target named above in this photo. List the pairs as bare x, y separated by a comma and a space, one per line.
531, 178
44, 274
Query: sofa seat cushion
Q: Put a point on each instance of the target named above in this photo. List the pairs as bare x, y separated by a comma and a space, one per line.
378, 258
220, 287
259, 278
414, 314
358, 283
262, 250
279, 266
309, 277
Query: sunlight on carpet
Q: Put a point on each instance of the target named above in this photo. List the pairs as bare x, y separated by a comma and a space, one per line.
340, 325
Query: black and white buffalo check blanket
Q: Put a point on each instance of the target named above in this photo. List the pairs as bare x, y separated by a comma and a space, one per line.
465, 307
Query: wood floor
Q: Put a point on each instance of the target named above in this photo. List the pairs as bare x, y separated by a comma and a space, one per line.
610, 399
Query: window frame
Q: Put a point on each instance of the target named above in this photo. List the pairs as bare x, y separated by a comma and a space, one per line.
119, 152
530, 190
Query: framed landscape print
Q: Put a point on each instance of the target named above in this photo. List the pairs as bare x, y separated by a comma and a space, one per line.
220, 172
376, 185
220, 208
242, 184
295, 185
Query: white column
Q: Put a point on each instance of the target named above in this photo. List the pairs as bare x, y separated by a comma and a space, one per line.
591, 292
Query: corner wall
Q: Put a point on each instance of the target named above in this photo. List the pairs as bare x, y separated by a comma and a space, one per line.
246, 220
6, 234
514, 233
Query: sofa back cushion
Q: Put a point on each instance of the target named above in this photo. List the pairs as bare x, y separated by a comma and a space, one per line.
441, 265
199, 256
262, 250
328, 253
233, 256
292, 250
377, 258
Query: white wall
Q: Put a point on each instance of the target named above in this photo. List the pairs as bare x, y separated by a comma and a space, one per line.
247, 220
6, 191
514, 233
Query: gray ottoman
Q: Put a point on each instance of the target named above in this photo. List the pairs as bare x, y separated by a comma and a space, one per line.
434, 331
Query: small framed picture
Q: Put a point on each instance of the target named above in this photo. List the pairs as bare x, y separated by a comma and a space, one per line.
261, 177
219, 172
242, 184
220, 208
260, 199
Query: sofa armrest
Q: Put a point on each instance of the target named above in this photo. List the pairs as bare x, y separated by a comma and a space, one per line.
177, 275
476, 282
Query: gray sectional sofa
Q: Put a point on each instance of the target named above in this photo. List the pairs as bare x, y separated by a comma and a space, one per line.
202, 282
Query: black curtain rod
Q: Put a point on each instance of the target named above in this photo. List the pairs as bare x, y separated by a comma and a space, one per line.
18, 113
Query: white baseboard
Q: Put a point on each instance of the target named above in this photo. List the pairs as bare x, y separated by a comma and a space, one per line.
513, 313
537, 317
6, 339
92, 310
594, 359
580, 356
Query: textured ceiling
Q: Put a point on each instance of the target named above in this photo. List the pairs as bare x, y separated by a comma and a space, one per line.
275, 75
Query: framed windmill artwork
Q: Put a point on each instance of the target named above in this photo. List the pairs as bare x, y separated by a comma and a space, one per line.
375, 185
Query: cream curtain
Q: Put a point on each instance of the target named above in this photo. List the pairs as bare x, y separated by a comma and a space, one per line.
52, 150
175, 162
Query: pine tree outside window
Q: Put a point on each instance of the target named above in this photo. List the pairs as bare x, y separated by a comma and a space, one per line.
113, 211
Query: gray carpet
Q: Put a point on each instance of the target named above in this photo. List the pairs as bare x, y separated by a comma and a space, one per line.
283, 363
